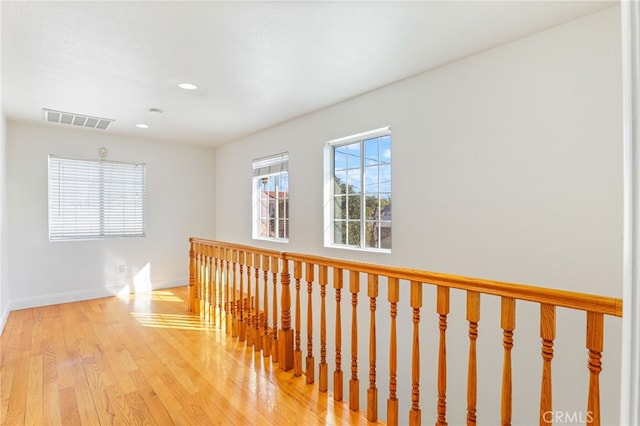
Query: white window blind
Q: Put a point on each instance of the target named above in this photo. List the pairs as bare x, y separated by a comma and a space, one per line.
91, 199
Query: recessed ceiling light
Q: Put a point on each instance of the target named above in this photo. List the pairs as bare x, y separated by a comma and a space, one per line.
187, 86
142, 126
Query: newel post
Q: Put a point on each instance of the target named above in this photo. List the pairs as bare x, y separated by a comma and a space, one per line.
286, 334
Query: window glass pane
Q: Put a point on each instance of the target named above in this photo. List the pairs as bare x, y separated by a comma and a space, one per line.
272, 227
340, 157
385, 149
354, 233
339, 207
264, 227
354, 207
283, 185
353, 155
340, 183
372, 208
353, 181
371, 234
371, 179
340, 232
385, 235
371, 152
385, 178
385, 207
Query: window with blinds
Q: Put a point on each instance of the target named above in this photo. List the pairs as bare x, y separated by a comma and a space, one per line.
96, 199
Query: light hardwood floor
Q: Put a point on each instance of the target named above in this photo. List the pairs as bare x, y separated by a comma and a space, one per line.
144, 360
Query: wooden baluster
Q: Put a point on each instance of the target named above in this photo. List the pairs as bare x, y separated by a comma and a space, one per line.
242, 326
203, 281
473, 316
508, 324
415, 415
214, 283
266, 339
595, 345
310, 368
218, 285
338, 376
372, 391
249, 313
548, 334
354, 383
257, 325
392, 402
286, 334
198, 279
297, 353
275, 351
228, 297
234, 294
222, 308
192, 278
204, 290
209, 280
323, 368
443, 311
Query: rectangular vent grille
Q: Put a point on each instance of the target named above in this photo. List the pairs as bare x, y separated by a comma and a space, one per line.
53, 116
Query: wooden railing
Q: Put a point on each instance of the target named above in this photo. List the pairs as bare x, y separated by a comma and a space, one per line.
247, 292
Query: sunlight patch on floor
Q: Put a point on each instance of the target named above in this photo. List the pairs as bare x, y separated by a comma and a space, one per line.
175, 321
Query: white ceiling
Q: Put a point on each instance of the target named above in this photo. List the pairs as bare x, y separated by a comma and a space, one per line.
257, 64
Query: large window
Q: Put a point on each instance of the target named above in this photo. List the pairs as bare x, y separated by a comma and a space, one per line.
91, 199
271, 198
358, 207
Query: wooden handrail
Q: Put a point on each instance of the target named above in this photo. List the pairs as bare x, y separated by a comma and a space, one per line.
260, 314
562, 298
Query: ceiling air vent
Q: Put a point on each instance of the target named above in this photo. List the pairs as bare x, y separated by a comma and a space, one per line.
53, 116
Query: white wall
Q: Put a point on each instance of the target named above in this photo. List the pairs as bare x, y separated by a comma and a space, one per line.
506, 165
4, 280
180, 204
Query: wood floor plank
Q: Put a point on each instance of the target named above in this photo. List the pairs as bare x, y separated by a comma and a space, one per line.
156, 408
97, 388
142, 359
35, 387
9, 346
69, 412
51, 405
17, 399
84, 398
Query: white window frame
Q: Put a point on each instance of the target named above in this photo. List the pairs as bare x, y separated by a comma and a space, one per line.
329, 172
95, 199
272, 169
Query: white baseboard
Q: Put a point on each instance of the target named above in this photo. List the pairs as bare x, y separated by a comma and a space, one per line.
77, 296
